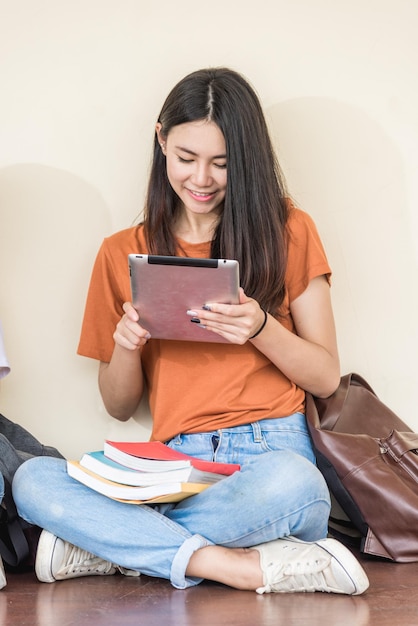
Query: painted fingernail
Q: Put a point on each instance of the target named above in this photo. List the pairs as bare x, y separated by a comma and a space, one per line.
196, 320
206, 307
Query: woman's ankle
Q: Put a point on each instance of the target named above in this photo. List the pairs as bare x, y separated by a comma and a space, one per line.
236, 567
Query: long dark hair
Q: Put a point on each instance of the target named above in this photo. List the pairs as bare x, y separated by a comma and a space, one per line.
252, 226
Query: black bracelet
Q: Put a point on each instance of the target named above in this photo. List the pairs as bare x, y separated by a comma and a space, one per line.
262, 325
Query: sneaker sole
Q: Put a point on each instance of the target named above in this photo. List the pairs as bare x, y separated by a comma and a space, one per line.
346, 560
46, 546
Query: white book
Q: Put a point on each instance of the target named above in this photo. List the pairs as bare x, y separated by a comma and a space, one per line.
164, 492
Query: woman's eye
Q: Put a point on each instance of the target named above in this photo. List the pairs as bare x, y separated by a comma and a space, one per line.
220, 166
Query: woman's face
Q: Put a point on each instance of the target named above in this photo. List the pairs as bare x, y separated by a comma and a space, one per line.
196, 165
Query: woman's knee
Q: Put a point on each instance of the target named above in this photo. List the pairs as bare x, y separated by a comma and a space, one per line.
282, 471
32, 470
31, 479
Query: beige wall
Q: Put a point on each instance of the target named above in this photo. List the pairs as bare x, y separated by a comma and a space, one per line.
81, 85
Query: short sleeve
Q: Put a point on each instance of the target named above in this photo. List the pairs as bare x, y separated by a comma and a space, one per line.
109, 289
306, 255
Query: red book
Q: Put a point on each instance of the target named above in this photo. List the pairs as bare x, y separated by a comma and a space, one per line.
156, 456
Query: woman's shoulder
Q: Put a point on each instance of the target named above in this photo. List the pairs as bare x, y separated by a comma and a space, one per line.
299, 221
129, 240
301, 229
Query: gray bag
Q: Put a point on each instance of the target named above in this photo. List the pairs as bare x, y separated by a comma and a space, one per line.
17, 445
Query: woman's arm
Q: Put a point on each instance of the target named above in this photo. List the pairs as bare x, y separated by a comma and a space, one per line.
309, 358
121, 381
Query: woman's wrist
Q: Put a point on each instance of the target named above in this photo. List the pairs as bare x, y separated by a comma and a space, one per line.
262, 325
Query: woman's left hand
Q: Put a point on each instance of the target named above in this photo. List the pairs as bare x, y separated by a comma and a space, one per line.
235, 322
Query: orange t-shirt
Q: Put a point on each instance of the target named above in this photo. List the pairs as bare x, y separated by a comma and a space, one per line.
196, 386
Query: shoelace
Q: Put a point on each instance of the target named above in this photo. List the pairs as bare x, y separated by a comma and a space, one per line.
78, 560
305, 576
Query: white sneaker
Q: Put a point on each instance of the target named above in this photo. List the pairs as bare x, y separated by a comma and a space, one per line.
290, 565
3, 581
57, 559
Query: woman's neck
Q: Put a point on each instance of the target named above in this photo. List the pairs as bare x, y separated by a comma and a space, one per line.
196, 228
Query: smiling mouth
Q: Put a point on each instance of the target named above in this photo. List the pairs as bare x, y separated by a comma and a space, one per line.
201, 194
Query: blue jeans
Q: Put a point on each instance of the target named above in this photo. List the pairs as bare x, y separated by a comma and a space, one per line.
278, 492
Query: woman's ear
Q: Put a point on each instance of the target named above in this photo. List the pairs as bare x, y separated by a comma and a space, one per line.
160, 137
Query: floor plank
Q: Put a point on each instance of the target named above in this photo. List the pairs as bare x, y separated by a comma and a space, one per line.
119, 600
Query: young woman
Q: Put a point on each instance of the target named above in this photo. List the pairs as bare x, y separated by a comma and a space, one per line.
215, 190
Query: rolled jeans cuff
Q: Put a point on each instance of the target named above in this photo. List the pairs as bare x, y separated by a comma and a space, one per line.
178, 576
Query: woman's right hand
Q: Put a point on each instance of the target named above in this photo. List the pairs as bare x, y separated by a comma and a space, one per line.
121, 380
129, 334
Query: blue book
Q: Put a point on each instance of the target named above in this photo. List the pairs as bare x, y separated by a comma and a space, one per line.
101, 465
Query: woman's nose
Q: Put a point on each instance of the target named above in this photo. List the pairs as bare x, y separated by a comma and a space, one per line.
201, 175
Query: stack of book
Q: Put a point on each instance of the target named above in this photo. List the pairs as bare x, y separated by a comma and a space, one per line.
146, 472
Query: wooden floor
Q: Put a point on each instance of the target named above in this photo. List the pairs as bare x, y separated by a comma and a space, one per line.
121, 601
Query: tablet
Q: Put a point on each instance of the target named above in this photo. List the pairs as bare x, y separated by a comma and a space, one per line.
164, 288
